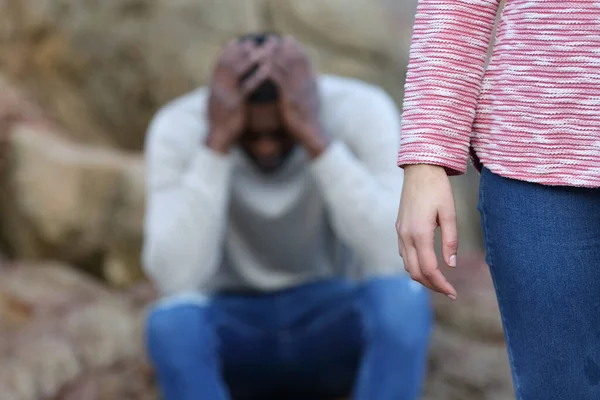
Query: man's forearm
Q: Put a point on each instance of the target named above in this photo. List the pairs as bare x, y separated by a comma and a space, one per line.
185, 225
362, 205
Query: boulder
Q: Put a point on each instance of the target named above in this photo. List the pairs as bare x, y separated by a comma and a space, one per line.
15, 106
72, 202
365, 39
102, 68
69, 337
101, 86
468, 358
65, 336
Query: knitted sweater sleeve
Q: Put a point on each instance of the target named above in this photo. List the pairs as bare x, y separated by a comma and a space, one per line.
446, 65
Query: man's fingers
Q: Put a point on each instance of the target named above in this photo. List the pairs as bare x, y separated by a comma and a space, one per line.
279, 74
429, 265
270, 45
447, 222
229, 51
281, 55
253, 59
254, 81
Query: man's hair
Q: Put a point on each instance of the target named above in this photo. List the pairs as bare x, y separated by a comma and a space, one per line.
266, 92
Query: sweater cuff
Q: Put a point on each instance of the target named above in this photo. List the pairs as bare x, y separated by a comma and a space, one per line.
454, 161
208, 165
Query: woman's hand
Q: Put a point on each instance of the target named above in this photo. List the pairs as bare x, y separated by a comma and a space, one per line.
427, 202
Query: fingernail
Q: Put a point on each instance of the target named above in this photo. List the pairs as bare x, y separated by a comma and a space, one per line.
453, 261
452, 297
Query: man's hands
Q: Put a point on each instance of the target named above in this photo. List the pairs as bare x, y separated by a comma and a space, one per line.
427, 202
290, 69
281, 60
227, 103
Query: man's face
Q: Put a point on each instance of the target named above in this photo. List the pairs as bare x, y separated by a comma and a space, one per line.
265, 139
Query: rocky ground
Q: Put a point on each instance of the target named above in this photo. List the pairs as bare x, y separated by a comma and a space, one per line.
65, 200
468, 359
66, 336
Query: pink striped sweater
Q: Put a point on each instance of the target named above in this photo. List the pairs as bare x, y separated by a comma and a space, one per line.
533, 114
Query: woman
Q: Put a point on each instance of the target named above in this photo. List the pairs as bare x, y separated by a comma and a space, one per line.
531, 123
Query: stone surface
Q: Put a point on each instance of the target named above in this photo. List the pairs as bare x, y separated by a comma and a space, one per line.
101, 86
15, 106
65, 336
101, 68
468, 357
72, 202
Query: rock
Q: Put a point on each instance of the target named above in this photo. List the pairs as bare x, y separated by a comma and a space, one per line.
72, 336
72, 202
123, 381
475, 367
468, 358
475, 314
124, 241
69, 337
365, 39
15, 106
466, 193
103, 84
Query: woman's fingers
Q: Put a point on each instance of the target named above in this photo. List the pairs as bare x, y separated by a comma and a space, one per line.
411, 264
428, 264
447, 222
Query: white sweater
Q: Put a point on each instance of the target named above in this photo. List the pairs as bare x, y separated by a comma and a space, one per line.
214, 222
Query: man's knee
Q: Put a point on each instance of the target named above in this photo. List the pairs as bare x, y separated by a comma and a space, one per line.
396, 312
177, 329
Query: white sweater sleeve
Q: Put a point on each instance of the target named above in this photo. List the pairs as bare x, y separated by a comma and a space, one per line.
360, 180
187, 198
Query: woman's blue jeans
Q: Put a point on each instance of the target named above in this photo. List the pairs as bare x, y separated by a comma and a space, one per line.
543, 249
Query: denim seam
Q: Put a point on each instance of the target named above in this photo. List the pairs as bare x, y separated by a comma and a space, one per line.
491, 262
324, 322
246, 329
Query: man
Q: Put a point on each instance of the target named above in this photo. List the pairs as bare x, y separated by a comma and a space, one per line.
270, 196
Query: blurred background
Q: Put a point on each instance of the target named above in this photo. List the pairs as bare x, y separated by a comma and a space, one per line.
79, 81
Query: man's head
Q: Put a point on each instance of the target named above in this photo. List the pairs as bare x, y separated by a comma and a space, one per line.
265, 138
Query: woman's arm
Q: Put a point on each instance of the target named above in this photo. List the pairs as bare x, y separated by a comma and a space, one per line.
447, 58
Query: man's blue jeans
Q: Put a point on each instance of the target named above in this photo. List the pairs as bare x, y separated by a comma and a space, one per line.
543, 248
318, 341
